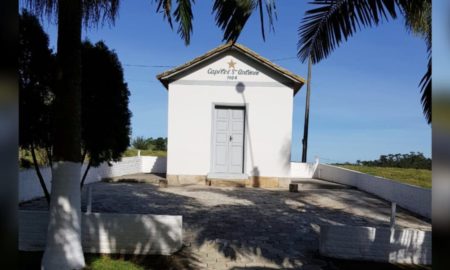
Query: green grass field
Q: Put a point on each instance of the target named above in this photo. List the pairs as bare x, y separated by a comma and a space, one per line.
133, 152
32, 260
108, 263
417, 177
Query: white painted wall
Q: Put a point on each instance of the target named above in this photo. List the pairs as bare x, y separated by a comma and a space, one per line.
105, 233
153, 164
29, 187
269, 106
406, 246
415, 199
303, 170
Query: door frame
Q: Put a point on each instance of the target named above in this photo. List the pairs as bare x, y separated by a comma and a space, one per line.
243, 106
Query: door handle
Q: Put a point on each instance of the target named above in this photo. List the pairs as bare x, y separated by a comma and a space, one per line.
231, 138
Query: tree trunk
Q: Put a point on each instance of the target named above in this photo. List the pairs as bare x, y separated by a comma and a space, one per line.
83, 156
63, 249
48, 151
38, 172
49, 159
85, 173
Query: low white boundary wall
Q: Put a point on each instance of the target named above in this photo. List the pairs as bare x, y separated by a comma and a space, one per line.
109, 233
412, 198
376, 244
29, 187
303, 170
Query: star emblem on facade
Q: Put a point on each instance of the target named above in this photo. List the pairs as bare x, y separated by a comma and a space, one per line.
232, 64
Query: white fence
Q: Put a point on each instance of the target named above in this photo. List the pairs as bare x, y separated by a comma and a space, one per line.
376, 244
109, 232
29, 187
303, 170
415, 199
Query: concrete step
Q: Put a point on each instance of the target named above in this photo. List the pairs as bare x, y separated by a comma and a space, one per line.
310, 183
217, 182
149, 178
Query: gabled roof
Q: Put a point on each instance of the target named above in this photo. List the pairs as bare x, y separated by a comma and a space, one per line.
165, 77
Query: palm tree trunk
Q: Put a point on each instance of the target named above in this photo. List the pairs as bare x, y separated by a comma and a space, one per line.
63, 249
306, 125
40, 177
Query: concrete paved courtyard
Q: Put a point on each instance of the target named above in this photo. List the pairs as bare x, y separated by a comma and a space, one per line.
241, 228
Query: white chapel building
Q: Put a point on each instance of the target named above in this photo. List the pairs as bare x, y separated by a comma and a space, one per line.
230, 119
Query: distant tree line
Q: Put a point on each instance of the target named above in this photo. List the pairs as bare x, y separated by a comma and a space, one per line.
157, 144
414, 160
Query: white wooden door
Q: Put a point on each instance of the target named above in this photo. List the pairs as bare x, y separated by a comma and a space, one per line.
229, 139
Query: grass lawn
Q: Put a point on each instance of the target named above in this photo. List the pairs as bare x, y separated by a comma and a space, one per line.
31, 260
108, 263
417, 177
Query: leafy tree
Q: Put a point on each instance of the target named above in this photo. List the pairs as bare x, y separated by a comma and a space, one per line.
105, 114
160, 144
141, 143
35, 90
410, 160
150, 143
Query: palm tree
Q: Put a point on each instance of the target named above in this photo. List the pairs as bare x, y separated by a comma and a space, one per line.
333, 21
327, 26
63, 249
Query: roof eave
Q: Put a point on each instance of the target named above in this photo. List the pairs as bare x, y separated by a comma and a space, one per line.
297, 81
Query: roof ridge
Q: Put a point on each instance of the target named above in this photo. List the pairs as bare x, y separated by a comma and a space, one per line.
164, 76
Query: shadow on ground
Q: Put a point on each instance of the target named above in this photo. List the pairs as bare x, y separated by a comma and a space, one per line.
247, 228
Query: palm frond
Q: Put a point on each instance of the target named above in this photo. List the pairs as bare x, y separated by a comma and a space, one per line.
165, 6
94, 11
261, 18
183, 16
425, 85
271, 14
418, 18
271, 10
42, 7
334, 21
100, 11
232, 15
418, 21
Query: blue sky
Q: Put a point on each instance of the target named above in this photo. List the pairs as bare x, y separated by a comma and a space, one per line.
365, 100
